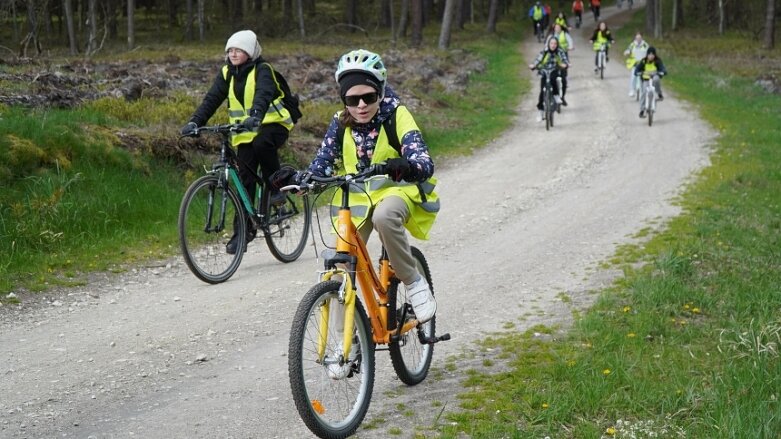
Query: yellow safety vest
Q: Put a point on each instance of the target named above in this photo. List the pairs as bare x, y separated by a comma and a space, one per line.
561, 22
649, 70
237, 110
422, 201
601, 39
563, 41
537, 14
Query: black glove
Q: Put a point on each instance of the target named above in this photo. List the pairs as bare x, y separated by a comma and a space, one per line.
189, 129
397, 168
251, 123
284, 177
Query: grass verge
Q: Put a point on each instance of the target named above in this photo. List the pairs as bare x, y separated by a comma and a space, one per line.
688, 345
76, 202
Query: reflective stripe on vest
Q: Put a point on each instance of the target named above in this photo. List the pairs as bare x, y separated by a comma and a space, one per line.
421, 199
237, 110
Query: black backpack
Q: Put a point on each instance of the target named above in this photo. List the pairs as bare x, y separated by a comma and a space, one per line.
289, 100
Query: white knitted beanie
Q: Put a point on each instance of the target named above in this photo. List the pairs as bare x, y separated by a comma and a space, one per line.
247, 41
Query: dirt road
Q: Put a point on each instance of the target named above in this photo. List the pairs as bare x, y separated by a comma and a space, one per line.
155, 353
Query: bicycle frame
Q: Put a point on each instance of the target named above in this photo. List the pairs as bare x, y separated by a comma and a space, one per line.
352, 252
650, 94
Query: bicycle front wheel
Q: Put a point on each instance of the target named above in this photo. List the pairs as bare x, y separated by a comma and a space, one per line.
331, 393
410, 357
206, 224
287, 226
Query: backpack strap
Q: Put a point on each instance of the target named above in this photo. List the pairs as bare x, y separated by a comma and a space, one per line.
389, 125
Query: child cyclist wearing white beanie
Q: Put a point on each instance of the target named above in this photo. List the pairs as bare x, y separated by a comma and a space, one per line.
249, 84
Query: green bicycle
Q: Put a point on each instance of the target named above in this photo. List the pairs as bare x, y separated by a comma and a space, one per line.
216, 206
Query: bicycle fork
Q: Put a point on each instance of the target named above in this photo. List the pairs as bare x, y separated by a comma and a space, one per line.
342, 312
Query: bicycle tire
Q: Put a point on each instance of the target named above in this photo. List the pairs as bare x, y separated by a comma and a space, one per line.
411, 359
204, 251
331, 408
546, 108
650, 117
286, 227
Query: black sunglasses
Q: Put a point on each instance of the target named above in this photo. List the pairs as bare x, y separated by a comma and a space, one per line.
368, 99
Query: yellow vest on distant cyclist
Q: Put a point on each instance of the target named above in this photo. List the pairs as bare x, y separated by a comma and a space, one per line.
563, 41
422, 201
601, 39
649, 70
561, 22
537, 13
237, 110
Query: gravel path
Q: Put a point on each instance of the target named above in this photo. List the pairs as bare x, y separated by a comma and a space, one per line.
155, 353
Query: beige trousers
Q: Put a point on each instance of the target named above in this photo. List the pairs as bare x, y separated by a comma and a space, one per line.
388, 218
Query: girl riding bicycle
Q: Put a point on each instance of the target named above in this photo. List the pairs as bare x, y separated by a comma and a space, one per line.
555, 59
247, 81
601, 36
635, 53
651, 68
357, 138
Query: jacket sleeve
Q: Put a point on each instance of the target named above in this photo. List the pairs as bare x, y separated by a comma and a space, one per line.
329, 152
265, 91
212, 101
414, 149
660, 67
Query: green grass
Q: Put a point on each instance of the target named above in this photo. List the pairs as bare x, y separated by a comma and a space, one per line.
76, 201
688, 345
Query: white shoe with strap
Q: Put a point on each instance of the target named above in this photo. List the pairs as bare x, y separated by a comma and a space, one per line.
422, 300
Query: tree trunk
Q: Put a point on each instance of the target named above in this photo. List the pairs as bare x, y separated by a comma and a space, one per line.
493, 12
32, 35
428, 11
650, 16
188, 26
301, 28
447, 24
287, 16
401, 31
721, 17
93, 27
385, 14
111, 19
677, 15
201, 20
770, 24
237, 13
68, 5
416, 11
658, 28
351, 13
131, 26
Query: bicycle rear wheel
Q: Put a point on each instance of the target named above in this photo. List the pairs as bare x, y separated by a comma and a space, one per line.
206, 224
331, 401
410, 357
287, 226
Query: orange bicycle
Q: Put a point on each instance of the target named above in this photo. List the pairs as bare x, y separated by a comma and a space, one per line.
334, 336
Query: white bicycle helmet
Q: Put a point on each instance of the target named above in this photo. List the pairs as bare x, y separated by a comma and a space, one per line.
362, 60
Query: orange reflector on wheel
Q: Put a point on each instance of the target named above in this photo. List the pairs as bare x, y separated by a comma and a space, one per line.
318, 407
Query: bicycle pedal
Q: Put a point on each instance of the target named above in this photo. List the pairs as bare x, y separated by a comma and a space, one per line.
435, 339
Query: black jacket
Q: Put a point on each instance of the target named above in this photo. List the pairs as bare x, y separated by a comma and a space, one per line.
265, 90
606, 34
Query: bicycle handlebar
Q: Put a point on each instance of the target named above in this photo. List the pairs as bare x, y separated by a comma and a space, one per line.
311, 181
223, 129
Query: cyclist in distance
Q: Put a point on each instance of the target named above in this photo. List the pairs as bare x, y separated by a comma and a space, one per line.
551, 58
405, 199
601, 36
595, 5
561, 20
651, 68
537, 13
577, 10
566, 44
254, 99
635, 53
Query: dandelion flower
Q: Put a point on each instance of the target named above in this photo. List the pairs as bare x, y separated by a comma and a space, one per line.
631, 335
611, 431
627, 308
544, 405
606, 372
695, 310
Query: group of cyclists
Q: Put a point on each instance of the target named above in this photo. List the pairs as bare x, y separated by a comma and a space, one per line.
642, 61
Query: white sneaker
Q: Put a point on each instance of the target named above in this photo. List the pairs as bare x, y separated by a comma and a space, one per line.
422, 300
540, 116
632, 94
557, 99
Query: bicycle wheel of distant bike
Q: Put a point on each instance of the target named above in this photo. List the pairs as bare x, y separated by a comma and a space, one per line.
206, 224
287, 226
331, 393
411, 358
549, 104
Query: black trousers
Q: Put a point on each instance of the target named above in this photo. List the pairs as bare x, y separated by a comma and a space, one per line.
261, 152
